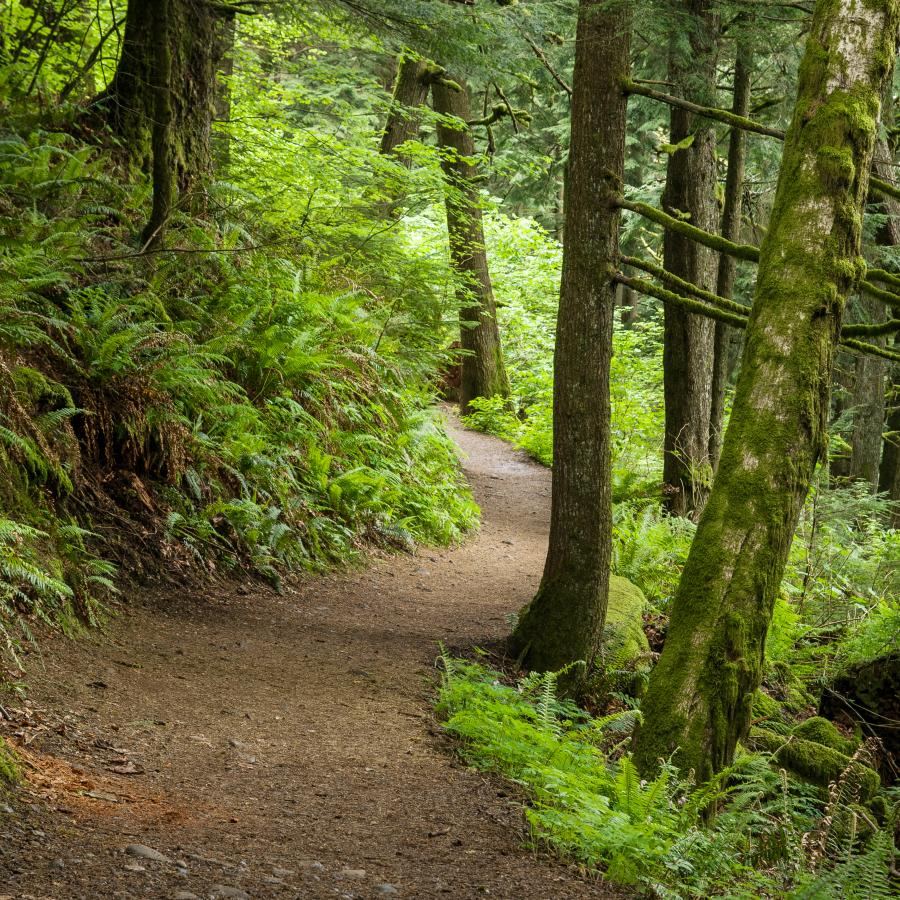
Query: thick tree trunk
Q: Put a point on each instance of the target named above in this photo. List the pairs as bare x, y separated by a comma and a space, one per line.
731, 230
691, 189
130, 100
564, 621
483, 372
404, 115
699, 698
161, 141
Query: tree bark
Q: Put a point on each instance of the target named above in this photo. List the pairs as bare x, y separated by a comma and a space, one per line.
688, 338
130, 100
404, 115
731, 230
483, 372
868, 402
564, 621
161, 141
889, 469
699, 699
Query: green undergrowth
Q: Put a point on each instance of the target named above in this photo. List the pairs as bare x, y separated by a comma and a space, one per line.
258, 400
770, 836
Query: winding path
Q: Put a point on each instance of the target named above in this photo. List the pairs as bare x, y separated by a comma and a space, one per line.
283, 746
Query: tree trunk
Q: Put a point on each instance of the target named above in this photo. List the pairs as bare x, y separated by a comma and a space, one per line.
564, 621
130, 100
889, 236
404, 115
699, 698
483, 372
889, 470
731, 230
161, 142
868, 402
688, 338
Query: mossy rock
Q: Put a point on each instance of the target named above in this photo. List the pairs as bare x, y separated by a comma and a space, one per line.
824, 732
624, 641
768, 713
815, 762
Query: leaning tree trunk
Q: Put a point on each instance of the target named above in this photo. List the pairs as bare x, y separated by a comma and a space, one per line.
688, 338
130, 100
731, 230
565, 619
700, 694
483, 372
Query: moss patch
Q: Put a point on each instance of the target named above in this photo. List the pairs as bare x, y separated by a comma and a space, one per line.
9, 769
821, 731
624, 641
814, 762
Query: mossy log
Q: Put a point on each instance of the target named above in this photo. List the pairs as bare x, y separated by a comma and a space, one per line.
814, 762
9, 769
624, 642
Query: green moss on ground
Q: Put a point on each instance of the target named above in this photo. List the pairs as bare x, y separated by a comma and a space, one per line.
9, 769
768, 713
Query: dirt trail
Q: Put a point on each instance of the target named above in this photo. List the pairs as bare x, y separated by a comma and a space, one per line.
284, 745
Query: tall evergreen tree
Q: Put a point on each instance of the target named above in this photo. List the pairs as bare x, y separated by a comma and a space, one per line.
565, 619
688, 351
483, 370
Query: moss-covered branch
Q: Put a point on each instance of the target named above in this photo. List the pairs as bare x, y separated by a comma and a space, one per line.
861, 330
708, 112
741, 251
870, 349
884, 277
876, 185
695, 306
674, 281
887, 297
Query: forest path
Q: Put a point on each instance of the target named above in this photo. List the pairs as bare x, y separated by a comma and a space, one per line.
284, 745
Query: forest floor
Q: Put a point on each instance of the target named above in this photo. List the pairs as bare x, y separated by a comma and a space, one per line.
233, 742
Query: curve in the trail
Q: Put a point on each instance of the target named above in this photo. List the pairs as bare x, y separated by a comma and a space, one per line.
283, 746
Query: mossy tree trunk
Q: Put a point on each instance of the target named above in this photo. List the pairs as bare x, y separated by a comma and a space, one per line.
409, 95
690, 189
483, 371
131, 98
564, 621
700, 693
731, 230
161, 140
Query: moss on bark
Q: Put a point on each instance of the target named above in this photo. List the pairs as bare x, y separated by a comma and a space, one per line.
700, 695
